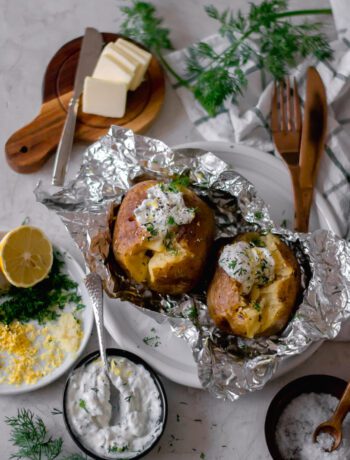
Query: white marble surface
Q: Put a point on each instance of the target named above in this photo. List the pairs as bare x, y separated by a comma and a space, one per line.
31, 31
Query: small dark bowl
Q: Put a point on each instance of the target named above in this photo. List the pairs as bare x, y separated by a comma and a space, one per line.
308, 384
137, 360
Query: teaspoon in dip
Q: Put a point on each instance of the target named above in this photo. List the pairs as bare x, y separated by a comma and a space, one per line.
333, 426
93, 285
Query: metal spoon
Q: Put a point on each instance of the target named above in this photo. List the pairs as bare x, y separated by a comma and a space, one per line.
333, 426
93, 285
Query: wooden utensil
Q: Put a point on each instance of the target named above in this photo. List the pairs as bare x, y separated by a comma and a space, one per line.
286, 130
28, 148
312, 140
333, 426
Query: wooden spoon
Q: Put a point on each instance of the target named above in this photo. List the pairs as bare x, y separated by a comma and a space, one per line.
333, 426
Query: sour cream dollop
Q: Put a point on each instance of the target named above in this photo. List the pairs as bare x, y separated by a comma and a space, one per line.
161, 210
139, 410
248, 265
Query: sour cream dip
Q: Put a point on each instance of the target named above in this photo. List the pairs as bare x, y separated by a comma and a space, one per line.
163, 209
248, 265
137, 417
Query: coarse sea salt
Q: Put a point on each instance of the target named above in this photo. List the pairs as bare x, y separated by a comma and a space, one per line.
299, 420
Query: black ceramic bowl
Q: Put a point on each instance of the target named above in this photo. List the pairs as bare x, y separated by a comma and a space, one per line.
308, 384
137, 360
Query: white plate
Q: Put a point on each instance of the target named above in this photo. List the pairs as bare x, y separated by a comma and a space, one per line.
173, 357
75, 271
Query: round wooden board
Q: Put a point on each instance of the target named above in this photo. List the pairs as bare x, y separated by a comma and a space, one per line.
29, 148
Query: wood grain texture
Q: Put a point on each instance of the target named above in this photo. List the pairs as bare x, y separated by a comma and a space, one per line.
29, 147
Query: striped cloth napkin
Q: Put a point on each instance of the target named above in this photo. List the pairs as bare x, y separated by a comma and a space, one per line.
248, 121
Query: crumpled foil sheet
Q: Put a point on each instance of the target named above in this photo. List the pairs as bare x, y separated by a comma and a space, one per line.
228, 366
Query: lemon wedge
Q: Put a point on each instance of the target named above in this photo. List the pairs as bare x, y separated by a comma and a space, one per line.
25, 256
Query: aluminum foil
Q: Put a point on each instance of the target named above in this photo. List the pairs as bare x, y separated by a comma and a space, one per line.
228, 366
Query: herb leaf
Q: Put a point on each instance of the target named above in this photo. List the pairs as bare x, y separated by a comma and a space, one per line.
142, 24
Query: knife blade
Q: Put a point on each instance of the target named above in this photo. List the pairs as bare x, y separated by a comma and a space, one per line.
313, 136
89, 54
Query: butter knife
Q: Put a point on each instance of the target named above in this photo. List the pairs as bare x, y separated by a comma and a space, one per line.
89, 54
313, 136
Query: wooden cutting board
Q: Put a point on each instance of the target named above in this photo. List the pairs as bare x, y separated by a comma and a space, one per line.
29, 147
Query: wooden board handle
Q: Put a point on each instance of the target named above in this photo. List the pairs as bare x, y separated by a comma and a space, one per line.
29, 147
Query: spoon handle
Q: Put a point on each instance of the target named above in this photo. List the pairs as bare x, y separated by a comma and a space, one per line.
93, 285
343, 406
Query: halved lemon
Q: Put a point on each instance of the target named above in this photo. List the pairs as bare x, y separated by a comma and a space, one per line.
25, 256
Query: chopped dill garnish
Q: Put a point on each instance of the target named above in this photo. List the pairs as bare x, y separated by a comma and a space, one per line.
56, 411
82, 405
232, 264
115, 449
257, 306
151, 230
152, 340
178, 182
43, 301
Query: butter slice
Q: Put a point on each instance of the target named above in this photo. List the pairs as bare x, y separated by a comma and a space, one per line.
126, 44
105, 98
108, 69
136, 58
131, 67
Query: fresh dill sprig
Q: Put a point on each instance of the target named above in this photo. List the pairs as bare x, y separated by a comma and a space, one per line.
30, 436
43, 301
264, 35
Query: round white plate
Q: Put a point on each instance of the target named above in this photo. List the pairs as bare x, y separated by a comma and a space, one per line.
172, 357
75, 271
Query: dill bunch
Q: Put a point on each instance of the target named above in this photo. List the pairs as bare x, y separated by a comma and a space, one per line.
29, 434
43, 301
264, 35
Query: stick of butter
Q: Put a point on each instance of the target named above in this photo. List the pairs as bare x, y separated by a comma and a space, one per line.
137, 58
105, 98
125, 64
126, 44
108, 69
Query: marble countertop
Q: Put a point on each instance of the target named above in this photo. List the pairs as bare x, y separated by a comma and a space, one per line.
30, 34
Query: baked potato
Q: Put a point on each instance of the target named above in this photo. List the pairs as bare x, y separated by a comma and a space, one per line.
173, 263
259, 304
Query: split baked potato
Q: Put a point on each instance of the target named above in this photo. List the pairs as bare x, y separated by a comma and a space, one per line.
171, 266
266, 309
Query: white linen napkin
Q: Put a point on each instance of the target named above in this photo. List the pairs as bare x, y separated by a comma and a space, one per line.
248, 121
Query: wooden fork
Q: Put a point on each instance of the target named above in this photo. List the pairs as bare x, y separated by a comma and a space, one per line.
286, 130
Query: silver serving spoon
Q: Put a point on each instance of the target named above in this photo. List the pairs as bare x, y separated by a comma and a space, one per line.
93, 285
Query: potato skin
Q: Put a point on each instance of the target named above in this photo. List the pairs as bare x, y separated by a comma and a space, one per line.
163, 271
238, 314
